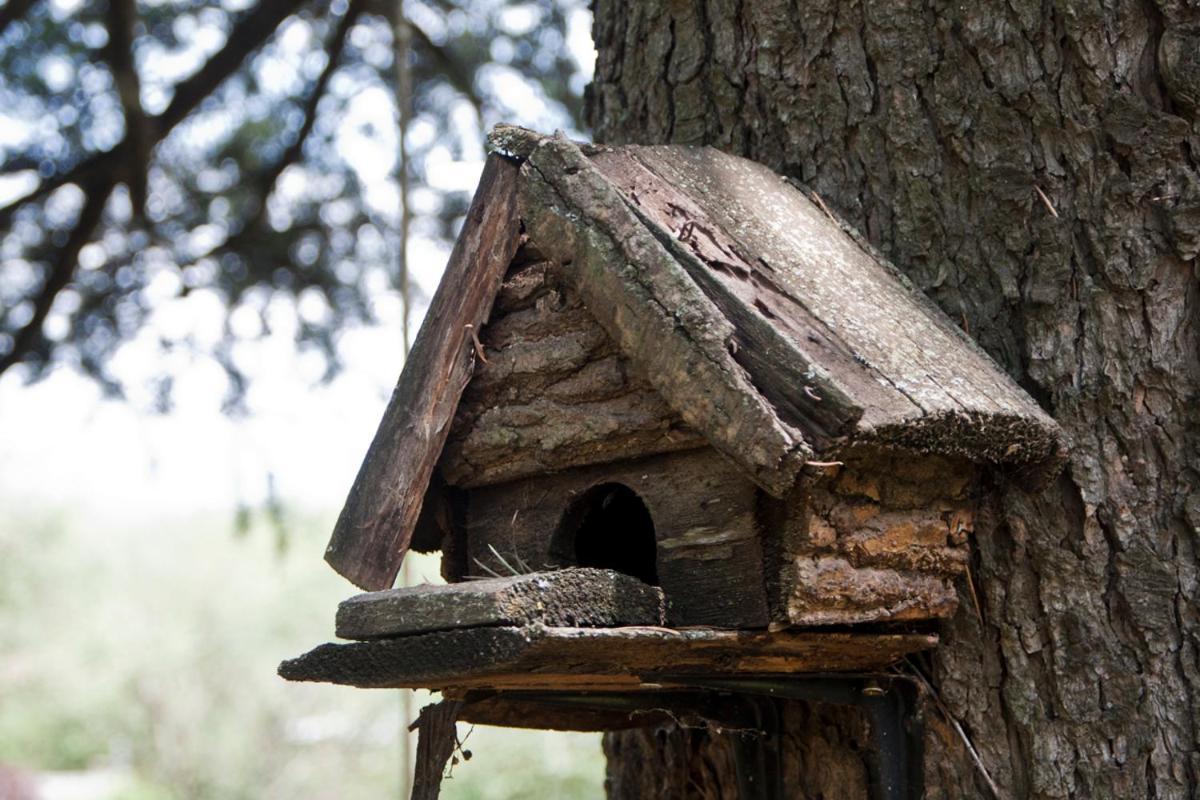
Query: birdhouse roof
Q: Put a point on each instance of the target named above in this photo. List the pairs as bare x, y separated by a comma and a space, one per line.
769, 326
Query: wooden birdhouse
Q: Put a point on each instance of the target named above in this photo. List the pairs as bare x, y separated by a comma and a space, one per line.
666, 417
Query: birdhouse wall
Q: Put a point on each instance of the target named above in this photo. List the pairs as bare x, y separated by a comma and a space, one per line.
554, 392
880, 539
707, 554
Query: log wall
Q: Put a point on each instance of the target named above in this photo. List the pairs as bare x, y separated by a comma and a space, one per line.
554, 392
880, 539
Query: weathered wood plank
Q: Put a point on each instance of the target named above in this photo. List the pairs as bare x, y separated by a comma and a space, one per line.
829, 590
654, 311
644, 706
947, 396
555, 391
537, 657
709, 558
553, 712
577, 597
375, 527
788, 353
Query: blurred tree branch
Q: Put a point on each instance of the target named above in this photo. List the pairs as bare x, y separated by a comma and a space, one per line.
75, 76
250, 33
98, 174
62, 271
266, 180
122, 17
458, 77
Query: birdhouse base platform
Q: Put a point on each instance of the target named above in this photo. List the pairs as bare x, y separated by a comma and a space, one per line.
543, 658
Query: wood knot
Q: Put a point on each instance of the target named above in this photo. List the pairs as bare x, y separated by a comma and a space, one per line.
1179, 65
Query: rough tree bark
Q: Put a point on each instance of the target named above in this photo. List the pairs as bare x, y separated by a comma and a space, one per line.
1033, 166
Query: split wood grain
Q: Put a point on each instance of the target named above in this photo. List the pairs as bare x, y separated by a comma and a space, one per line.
376, 525
437, 736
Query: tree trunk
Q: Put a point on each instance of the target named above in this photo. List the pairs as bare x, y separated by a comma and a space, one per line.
1033, 168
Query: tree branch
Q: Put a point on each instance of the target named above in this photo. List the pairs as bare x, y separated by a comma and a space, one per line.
97, 173
267, 178
122, 16
61, 273
452, 69
251, 32
83, 172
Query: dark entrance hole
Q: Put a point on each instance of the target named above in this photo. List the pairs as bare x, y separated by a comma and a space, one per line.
609, 527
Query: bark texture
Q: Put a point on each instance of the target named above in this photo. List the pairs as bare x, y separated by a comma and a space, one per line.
555, 392
1033, 167
881, 540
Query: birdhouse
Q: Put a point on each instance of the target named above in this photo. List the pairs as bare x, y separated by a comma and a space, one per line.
666, 417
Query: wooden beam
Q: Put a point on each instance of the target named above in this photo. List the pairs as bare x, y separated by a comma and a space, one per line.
554, 712
436, 739
375, 527
580, 597
536, 657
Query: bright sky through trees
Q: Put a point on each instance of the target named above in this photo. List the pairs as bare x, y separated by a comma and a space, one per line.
63, 443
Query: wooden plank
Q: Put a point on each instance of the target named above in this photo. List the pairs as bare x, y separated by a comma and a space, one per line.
579, 597
772, 258
649, 305
555, 712
792, 357
375, 527
692, 702
545, 658
436, 739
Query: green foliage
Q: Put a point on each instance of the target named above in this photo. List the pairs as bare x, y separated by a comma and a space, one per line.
152, 650
278, 182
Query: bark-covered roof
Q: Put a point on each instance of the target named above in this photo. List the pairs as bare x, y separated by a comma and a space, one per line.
767, 325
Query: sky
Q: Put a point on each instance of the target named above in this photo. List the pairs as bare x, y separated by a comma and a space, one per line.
64, 445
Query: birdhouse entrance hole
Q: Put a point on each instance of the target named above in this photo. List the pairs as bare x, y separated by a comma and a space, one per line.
609, 527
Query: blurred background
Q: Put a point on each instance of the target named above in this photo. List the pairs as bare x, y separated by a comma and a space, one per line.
220, 225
